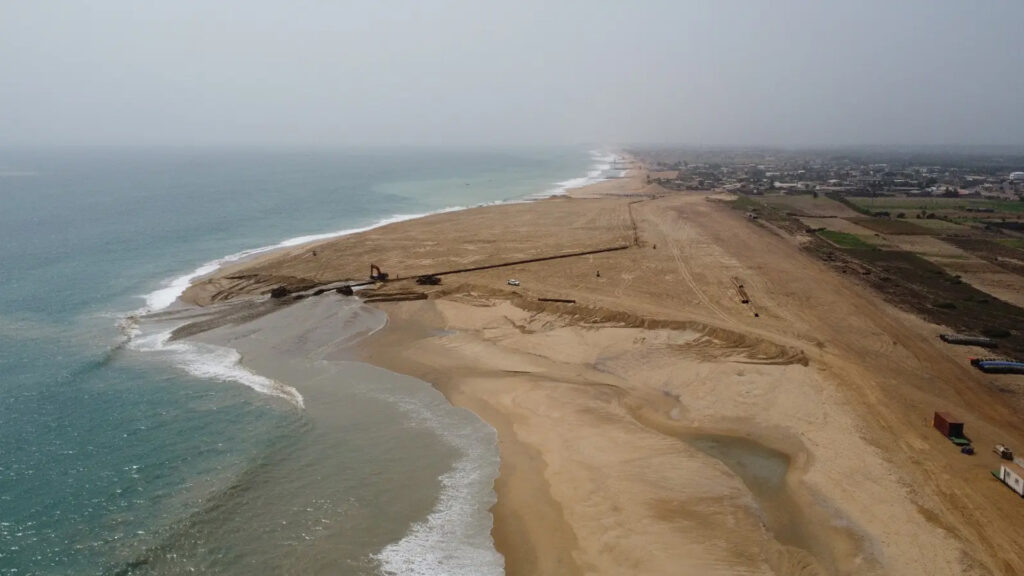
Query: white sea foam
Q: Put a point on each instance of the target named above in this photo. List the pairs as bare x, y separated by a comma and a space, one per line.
212, 362
455, 538
599, 171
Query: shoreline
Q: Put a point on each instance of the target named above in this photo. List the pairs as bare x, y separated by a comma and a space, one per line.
165, 305
171, 293
656, 426
311, 345
509, 533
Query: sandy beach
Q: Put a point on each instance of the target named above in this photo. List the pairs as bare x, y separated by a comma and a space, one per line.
657, 424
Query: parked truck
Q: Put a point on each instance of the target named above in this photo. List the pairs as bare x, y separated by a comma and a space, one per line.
949, 425
952, 428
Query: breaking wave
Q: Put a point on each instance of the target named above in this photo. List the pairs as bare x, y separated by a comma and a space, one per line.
455, 538
212, 362
604, 167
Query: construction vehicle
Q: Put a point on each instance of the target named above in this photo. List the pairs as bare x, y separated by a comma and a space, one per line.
376, 275
1003, 452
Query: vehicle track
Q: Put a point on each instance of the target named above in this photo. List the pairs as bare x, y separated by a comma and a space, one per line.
684, 271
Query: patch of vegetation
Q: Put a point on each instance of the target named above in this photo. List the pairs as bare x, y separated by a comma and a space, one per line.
932, 204
1014, 225
941, 226
849, 204
887, 226
806, 205
746, 204
769, 213
913, 283
1006, 205
1017, 243
845, 240
992, 251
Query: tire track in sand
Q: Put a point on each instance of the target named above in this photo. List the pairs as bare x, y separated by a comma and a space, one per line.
684, 271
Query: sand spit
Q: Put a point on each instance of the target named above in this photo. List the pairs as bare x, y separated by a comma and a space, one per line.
657, 425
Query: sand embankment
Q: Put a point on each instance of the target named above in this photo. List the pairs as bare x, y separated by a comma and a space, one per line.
659, 426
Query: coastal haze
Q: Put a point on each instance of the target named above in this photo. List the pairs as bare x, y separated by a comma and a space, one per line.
341, 73
461, 288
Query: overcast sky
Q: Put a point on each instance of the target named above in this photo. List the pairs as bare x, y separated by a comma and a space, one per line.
326, 72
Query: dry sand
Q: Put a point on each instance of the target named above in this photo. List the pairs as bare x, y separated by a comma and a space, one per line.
659, 426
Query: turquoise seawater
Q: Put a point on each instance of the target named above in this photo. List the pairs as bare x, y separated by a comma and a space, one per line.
117, 461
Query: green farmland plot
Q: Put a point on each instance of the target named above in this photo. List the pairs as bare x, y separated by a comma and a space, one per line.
845, 240
910, 205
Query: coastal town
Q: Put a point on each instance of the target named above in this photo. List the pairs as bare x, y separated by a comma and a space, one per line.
849, 173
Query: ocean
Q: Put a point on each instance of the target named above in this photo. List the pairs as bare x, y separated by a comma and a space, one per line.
121, 453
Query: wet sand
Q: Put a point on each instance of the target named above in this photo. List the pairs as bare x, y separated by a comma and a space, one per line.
656, 425
381, 469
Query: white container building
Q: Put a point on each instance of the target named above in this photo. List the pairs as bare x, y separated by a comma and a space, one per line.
1013, 476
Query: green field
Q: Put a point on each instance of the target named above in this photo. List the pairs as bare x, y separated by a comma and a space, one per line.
933, 204
746, 203
1017, 243
845, 240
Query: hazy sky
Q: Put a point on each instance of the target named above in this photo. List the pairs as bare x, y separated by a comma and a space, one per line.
488, 72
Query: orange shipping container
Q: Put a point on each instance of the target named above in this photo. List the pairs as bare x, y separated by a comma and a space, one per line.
949, 426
